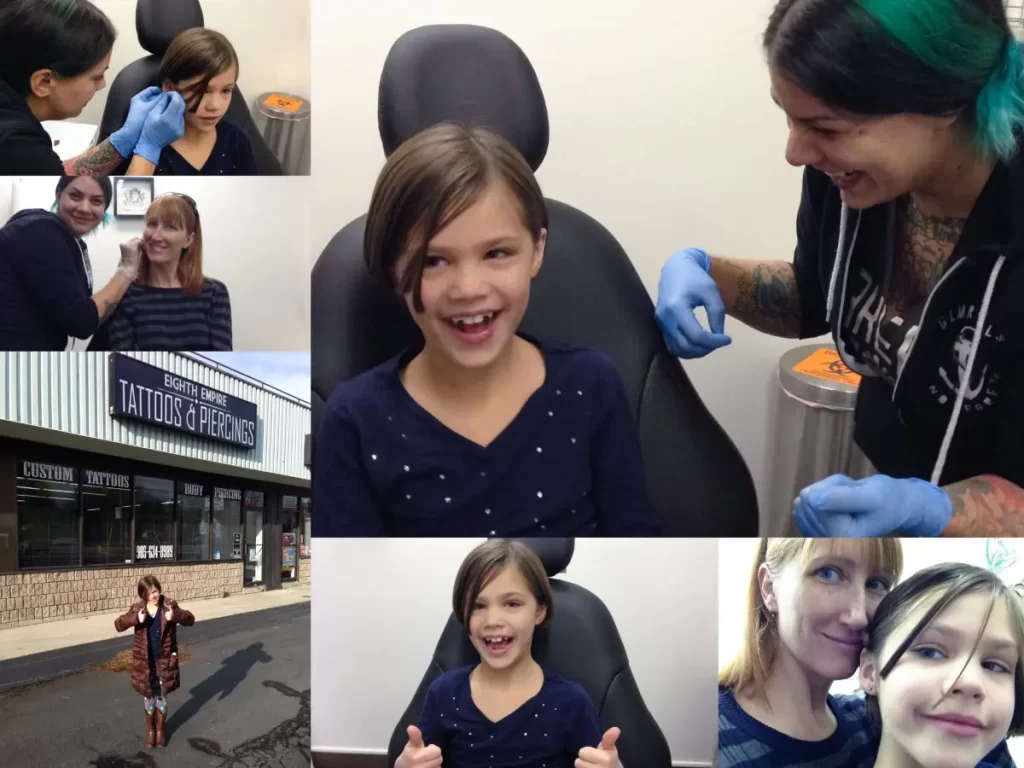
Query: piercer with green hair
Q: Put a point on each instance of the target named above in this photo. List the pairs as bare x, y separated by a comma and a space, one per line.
906, 116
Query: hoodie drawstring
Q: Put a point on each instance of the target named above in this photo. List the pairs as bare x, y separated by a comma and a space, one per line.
844, 220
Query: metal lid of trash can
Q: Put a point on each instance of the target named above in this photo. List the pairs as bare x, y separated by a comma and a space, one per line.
278, 105
816, 375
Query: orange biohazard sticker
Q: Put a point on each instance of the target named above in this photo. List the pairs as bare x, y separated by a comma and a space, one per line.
286, 103
826, 364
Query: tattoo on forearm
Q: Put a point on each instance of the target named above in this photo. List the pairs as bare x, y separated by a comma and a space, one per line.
98, 161
986, 506
767, 299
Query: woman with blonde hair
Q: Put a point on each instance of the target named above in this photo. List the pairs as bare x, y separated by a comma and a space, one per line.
810, 603
173, 305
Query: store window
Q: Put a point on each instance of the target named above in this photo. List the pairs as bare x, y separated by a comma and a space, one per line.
227, 524
47, 515
106, 518
194, 522
154, 519
289, 537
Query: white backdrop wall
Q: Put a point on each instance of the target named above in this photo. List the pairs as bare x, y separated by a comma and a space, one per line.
379, 606
735, 562
271, 38
662, 128
254, 232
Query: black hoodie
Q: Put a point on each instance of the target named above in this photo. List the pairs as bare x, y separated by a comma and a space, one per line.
26, 149
916, 368
45, 285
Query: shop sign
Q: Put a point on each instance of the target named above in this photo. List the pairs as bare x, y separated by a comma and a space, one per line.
34, 470
232, 494
142, 392
154, 552
108, 480
194, 489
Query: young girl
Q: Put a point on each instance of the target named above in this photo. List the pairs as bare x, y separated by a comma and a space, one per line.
481, 431
154, 652
172, 306
506, 710
202, 66
942, 668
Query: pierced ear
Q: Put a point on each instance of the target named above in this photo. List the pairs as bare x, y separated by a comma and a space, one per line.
868, 673
767, 587
542, 613
538, 252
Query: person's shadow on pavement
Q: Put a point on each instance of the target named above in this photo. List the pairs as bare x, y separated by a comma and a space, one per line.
233, 670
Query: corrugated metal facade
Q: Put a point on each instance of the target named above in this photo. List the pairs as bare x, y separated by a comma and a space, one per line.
69, 392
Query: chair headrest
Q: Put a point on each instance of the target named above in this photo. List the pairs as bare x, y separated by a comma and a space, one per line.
554, 553
158, 22
462, 73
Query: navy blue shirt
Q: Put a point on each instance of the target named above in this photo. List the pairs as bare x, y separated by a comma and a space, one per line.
744, 742
154, 629
550, 729
232, 155
569, 464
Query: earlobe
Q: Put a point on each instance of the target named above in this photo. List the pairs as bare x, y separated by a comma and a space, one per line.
542, 613
41, 83
867, 673
538, 252
767, 587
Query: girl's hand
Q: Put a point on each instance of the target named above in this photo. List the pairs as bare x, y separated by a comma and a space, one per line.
605, 755
168, 614
416, 754
142, 616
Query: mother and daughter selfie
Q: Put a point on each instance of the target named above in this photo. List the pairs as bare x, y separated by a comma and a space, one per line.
54, 57
938, 654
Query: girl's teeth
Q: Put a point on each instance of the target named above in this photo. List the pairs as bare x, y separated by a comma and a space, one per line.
473, 319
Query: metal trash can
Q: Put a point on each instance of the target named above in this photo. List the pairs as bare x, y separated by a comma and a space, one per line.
284, 125
814, 430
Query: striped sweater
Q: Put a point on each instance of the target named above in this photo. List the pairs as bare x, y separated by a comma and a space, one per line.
151, 318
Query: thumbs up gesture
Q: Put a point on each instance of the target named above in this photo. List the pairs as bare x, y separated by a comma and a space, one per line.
168, 614
416, 754
605, 755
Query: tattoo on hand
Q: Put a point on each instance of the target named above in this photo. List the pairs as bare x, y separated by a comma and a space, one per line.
986, 506
767, 300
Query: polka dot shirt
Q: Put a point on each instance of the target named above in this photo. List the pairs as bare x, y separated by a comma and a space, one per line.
569, 464
548, 731
232, 155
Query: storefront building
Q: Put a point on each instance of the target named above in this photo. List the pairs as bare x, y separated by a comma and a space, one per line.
113, 466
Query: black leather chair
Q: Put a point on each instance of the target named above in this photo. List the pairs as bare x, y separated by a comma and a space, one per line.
581, 643
157, 23
587, 292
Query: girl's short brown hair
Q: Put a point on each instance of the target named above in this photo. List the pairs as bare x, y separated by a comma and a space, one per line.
485, 562
197, 52
177, 210
147, 583
428, 181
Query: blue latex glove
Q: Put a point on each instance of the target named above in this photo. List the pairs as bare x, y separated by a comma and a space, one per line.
126, 137
685, 285
840, 507
164, 124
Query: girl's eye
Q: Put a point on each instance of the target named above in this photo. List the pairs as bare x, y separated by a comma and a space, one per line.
928, 652
432, 261
996, 666
828, 573
497, 253
513, 603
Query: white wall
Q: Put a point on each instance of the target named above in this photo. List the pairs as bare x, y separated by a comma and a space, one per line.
662, 128
271, 38
735, 562
255, 231
379, 606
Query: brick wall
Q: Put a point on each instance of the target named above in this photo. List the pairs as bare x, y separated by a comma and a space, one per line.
305, 570
34, 597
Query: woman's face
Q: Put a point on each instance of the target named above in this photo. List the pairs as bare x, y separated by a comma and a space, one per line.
154, 596
68, 96
502, 620
215, 101
476, 280
944, 703
81, 205
823, 607
163, 241
871, 160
